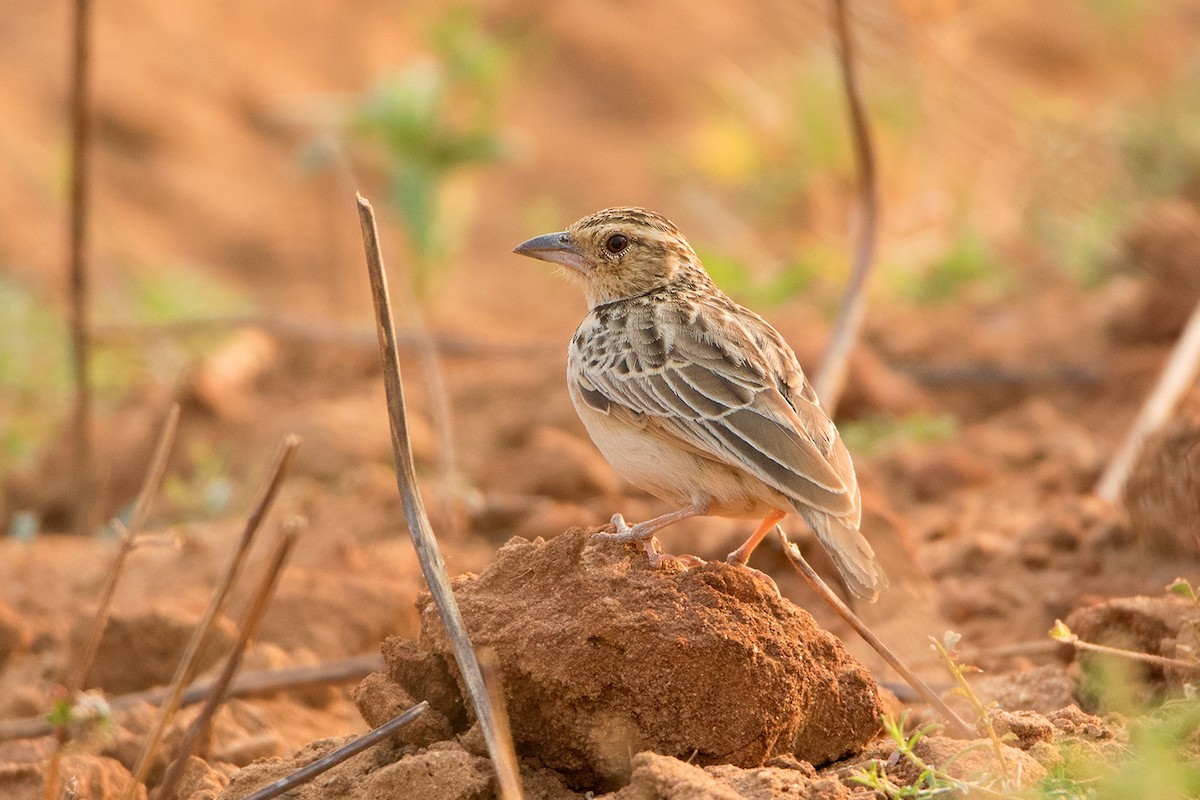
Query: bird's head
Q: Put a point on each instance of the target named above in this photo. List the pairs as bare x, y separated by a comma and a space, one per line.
616, 253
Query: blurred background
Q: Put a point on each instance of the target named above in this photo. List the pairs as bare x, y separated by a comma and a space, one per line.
1039, 173
1039, 179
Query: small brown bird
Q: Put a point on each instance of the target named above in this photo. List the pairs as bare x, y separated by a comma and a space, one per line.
696, 399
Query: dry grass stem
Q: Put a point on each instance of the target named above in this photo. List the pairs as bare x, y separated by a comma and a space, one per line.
1134, 655
424, 541
508, 772
199, 729
126, 545
326, 762
1176, 378
821, 588
831, 377
314, 332
85, 475
187, 664
246, 684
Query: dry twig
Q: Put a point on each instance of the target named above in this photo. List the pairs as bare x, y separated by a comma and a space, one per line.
508, 773
253, 615
246, 684
419, 529
326, 762
85, 475
821, 588
831, 377
126, 545
1179, 374
187, 664
310, 331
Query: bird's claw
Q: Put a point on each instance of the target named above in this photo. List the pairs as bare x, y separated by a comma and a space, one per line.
649, 542
625, 533
734, 560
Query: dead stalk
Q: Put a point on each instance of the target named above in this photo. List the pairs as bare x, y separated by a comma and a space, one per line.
1178, 375
819, 586
187, 664
85, 475
312, 332
509, 774
1133, 655
831, 376
424, 541
327, 762
199, 729
246, 684
126, 545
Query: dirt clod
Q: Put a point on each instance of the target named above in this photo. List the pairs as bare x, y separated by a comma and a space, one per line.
380, 699
141, 649
1152, 625
15, 633
80, 775
555, 464
1162, 496
603, 656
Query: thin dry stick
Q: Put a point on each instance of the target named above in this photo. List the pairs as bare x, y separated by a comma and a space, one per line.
819, 586
246, 684
253, 615
78, 280
128, 541
327, 762
508, 772
1179, 374
313, 331
187, 664
831, 377
424, 542
158, 464
1134, 655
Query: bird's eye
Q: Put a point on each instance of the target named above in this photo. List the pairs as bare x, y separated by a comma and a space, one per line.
616, 243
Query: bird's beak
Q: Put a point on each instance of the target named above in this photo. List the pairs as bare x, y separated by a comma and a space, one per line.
555, 248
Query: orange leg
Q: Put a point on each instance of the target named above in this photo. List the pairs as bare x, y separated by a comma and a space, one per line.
742, 554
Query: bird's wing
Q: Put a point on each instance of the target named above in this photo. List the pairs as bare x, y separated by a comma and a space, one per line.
707, 378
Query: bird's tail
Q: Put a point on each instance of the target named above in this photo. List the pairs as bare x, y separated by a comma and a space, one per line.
851, 554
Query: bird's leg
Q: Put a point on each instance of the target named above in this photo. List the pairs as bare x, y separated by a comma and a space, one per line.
742, 554
643, 532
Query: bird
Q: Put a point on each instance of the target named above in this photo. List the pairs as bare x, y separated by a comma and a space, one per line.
696, 399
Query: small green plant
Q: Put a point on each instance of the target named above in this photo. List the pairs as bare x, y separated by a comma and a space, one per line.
968, 261
983, 711
86, 716
1161, 143
931, 782
433, 119
877, 435
736, 278
201, 490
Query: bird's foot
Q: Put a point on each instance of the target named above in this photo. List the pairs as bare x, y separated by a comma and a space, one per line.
625, 533
649, 542
734, 559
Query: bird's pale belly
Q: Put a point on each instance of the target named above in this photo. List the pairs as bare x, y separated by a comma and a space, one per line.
676, 474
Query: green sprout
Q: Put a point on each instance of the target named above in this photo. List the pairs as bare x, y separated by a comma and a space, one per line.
433, 119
